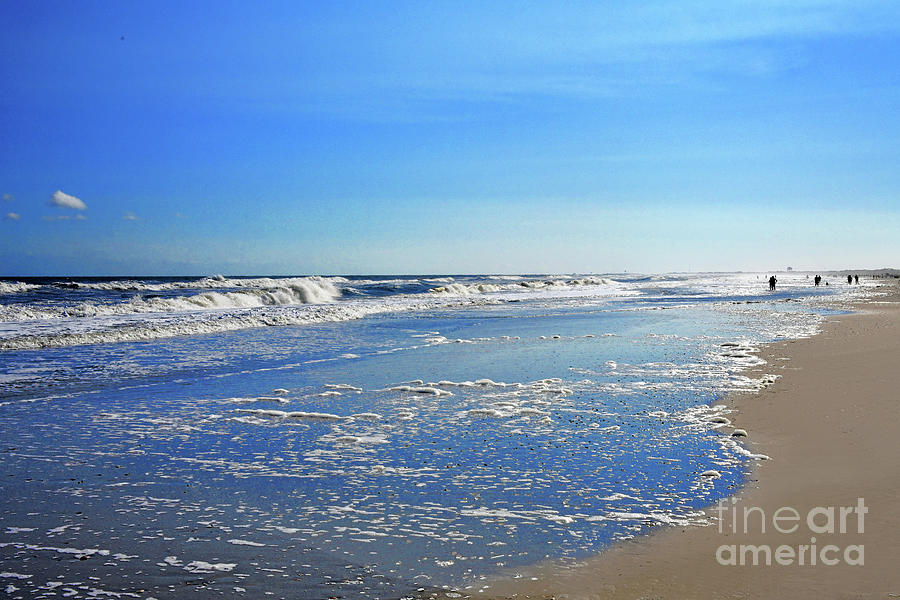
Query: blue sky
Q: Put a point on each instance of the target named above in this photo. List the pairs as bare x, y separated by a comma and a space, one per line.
448, 137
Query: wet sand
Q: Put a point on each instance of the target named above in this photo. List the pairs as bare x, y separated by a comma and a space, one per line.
831, 426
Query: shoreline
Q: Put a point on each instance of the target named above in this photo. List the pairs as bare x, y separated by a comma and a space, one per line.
831, 426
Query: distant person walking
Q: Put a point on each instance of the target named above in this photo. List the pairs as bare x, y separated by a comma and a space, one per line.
818, 280
849, 279
856, 277
772, 282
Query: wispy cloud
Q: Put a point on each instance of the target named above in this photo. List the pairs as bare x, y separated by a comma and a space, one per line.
64, 200
130, 216
578, 50
8, 197
11, 216
64, 218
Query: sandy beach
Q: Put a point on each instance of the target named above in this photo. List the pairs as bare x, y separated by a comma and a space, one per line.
830, 426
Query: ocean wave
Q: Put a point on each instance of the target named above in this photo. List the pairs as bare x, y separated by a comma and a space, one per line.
149, 326
309, 290
464, 289
213, 282
134, 328
56, 317
15, 287
275, 302
384, 282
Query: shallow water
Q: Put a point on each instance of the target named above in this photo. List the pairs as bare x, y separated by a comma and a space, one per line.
372, 457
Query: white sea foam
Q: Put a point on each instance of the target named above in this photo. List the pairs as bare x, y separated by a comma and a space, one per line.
619, 496
342, 386
345, 439
201, 567
313, 290
214, 282
492, 514
367, 416
281, 414
12, 530
733, 446
27, 326
258, 399
653, 516
287, 530
15, 287
239, 542
598, 285
419, 389
78, 552
462, 289
127, 328
485, 412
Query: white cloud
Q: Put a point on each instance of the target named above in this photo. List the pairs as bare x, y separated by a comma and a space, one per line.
130, 216
64, 218
11, 216
60, 198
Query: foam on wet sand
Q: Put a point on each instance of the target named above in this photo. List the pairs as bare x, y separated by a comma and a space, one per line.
823, 423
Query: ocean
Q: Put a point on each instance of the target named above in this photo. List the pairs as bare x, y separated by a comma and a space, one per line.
366, 437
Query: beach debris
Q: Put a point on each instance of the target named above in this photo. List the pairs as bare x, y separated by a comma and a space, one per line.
739, 433
767, 380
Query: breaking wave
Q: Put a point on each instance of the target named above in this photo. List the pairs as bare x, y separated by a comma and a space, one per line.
46, 312
462, 289
308, 290
214, 282
7, 287
133, 328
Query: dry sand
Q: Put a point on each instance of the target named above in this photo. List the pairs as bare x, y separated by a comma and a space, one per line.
831, 426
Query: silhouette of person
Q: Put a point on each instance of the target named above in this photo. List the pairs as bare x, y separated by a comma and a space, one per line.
849, 279
772, 281
818, 280
856, 277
